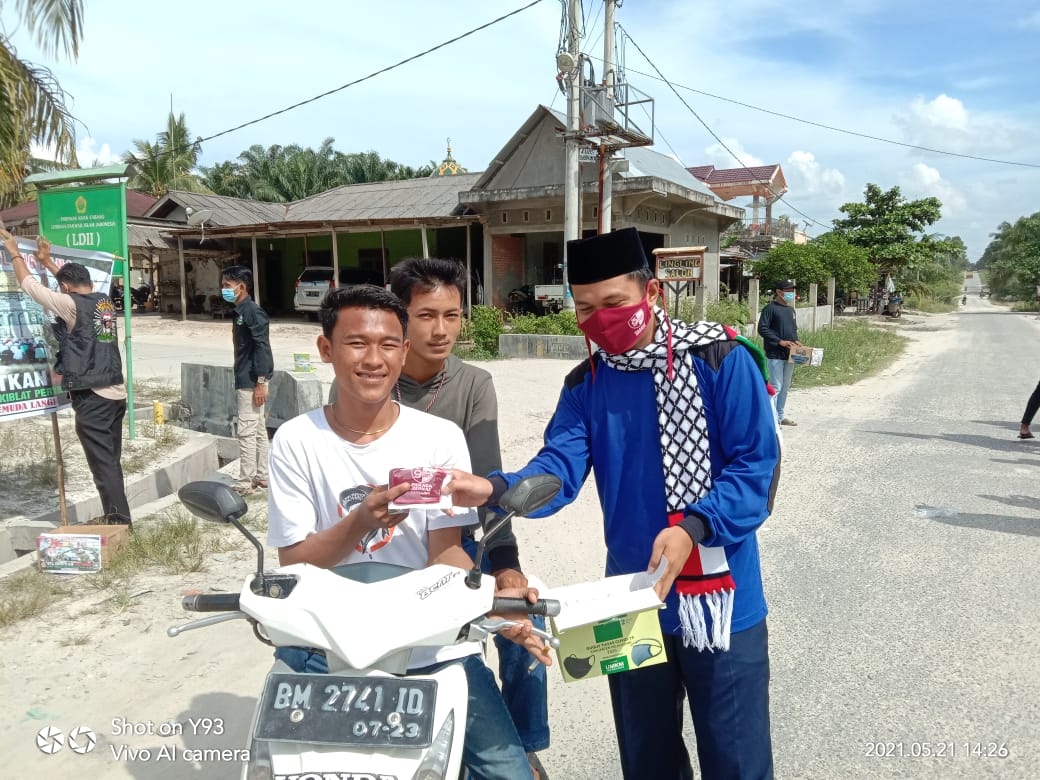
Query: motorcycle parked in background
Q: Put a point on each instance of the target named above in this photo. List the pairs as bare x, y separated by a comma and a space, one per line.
139, 296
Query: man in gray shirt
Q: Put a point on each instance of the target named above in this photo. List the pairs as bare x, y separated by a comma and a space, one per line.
437, 382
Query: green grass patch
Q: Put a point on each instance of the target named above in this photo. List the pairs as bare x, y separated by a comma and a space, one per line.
736, 314
930, 305
28, 593
559, 324
174, 543
146, 390
1025, 306
27, 454
177, 544
153, 440
851, 351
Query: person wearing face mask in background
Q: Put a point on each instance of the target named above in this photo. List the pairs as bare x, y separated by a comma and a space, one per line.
778, 328
90, 366
676, 420
254, 365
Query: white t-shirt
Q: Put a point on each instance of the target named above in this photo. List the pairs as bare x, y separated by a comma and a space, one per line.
316, 478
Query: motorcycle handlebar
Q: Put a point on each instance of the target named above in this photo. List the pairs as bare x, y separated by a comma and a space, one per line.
548, 607
211, 602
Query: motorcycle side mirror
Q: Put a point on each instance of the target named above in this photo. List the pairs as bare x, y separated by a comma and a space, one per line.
530, 494
526, 496
213, 501
218, 503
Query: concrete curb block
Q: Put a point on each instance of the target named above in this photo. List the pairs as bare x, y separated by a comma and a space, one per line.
196, 458
535, 345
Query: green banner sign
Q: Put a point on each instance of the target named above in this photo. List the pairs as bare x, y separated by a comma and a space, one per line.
90, 218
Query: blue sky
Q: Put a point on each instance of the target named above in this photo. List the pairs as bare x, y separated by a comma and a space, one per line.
956, 76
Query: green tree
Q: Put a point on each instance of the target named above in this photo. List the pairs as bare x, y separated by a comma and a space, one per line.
888, 225
1012, 259
937, 272
849, 264
289, 173
32, 103
816, 262
169, 163
802, 262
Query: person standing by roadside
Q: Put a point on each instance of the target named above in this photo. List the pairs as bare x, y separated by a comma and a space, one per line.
254, 365
90, 366
778, 327
1032, 405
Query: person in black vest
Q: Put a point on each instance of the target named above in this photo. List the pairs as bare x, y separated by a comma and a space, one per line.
90, 366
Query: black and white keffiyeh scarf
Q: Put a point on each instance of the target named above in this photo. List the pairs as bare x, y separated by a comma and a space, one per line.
705, 582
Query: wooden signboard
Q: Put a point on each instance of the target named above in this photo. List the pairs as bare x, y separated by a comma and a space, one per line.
679, 264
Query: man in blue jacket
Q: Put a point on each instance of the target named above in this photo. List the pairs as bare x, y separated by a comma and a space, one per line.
676, 420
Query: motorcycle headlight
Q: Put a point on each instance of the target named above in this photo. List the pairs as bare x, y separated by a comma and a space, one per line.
434, 765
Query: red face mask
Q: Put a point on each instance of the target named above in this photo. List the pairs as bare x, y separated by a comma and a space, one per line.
617, 329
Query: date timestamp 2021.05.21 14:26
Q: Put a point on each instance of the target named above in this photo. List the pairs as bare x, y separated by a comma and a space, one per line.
946, 749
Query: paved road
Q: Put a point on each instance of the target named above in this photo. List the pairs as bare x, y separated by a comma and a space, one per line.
902, 565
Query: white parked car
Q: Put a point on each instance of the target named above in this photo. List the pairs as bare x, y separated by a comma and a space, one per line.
311, 286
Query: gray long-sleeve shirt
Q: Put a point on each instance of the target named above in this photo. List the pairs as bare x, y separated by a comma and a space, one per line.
467, 397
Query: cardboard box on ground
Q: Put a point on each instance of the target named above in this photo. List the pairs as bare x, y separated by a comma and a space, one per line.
80, 549
608, 627
806, 356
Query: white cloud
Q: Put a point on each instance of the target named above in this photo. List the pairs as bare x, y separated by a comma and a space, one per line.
720, 158
924, 181
945, 123
86, 153
806, 176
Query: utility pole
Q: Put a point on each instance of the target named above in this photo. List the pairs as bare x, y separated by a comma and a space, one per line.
571, 169
607, 187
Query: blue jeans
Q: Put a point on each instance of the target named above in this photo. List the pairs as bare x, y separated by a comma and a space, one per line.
492, 749
524, 692
780, 374
728, 695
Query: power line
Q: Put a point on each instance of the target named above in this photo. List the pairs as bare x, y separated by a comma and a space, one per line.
832, 128
714, 135
379, 72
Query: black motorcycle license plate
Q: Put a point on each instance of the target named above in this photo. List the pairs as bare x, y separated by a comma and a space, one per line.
334, 710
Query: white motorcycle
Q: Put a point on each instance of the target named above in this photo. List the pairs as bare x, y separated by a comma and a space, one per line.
367, 719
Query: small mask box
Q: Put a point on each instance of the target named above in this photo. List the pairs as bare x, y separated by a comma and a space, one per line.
607, 627
80, 549
425, 491
806, 356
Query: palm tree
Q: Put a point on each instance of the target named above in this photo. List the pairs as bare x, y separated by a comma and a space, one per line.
169, 163
31, 100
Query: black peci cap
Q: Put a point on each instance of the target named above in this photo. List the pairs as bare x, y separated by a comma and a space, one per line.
605, 256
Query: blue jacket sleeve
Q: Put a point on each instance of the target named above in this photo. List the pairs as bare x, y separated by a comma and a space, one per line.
565, 453
745, 451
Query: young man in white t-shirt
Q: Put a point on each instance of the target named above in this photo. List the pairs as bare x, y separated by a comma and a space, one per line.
329, 501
